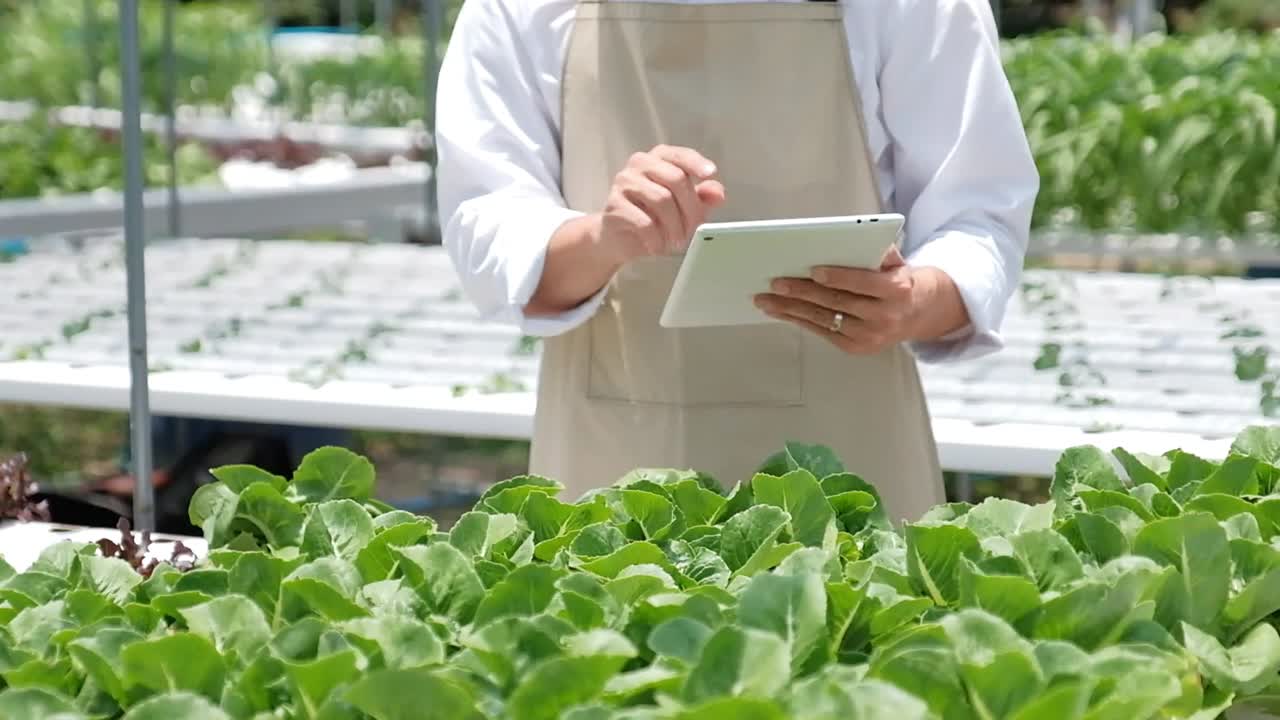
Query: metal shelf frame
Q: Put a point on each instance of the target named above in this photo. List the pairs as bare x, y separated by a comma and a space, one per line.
134, 204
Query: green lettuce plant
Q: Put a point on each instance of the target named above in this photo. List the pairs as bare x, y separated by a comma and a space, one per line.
44, 161
1147, 587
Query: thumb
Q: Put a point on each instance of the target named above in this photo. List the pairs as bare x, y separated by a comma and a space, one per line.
892, 259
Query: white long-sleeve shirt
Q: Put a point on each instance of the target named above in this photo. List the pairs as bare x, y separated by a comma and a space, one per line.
942, 124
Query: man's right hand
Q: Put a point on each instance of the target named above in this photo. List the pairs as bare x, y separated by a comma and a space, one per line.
657, 202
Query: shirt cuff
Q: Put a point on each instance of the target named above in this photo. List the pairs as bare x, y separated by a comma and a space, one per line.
524, 247
981, 282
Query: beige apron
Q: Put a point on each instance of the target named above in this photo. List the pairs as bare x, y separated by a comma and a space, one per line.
764, 90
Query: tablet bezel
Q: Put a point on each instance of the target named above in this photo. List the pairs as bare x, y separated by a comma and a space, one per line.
783, 247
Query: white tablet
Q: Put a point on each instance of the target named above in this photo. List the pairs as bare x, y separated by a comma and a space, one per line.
728, 264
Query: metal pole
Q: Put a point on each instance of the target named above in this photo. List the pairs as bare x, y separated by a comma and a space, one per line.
171, 109
347, 14
1143, 11
383, 13
135, 267
964, 487
431, 70
91, 50
269, 14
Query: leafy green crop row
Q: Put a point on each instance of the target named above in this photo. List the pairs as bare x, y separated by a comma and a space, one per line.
1142, 595
39, 160
218, 46
1174, 134
221, 54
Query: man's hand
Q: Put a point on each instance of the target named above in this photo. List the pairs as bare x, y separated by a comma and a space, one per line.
864, 312
654, 205
657, 201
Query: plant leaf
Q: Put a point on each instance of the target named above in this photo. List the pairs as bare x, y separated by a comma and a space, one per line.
376, 560
337, 528
527, 590
276, 518
741, 662
1195, 545
1082, 465
1010, 597
793, 607
996, 664
179, 662
841, 483
558, 683
476, 533
412, 695
234, 622
1143, 468
99, 658
239, 477
998, 517
327, 587
750, 533
1246, 668
1236, 476
401, 643
175, 705
333, 473
33, 703
1260, 442
933, 559
441, 574
813, 522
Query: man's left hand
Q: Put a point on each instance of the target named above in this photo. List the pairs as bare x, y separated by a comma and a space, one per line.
864, 312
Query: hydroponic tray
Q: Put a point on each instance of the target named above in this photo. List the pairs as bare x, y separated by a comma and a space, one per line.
214, 126
22, 542
380, 336
257, 203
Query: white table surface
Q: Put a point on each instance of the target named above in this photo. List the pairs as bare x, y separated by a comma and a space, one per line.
21, 543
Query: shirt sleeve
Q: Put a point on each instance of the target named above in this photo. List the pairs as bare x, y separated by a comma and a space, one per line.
964, 175
498, 160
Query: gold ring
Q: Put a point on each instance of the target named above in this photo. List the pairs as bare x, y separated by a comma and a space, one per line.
837, 322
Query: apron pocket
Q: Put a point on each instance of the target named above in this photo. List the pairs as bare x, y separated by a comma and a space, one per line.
633, 359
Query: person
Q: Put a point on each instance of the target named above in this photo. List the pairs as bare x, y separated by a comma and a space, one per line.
580, 143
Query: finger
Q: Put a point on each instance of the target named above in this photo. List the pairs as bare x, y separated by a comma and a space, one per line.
811, 292
711, 192
683, 192
658, 201
893, 259
868, 309
871, 283
853, 345
687, 159
792, 307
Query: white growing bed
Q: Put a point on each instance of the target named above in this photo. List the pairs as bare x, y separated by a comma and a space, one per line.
409, 338
256, 198
21, 543
214, 125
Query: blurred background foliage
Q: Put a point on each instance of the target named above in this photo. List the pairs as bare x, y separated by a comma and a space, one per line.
1176, 133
